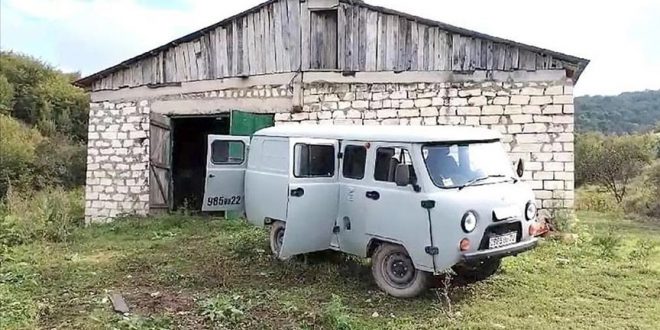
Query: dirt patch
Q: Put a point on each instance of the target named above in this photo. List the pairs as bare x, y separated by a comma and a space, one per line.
152, 301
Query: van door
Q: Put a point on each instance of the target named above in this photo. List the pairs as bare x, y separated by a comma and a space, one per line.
225, 173
313, 193
394, 213
353, 185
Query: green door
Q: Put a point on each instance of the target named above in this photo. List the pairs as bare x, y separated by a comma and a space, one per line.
246, 123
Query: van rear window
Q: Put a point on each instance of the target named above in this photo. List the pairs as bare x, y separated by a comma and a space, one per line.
227, 152
313, 161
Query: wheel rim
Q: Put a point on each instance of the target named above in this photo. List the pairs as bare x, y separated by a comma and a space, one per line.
399, 270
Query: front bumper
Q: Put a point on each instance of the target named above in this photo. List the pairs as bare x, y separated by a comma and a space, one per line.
509, 250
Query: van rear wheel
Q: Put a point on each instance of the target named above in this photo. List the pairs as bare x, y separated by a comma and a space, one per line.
277, 237
394, 272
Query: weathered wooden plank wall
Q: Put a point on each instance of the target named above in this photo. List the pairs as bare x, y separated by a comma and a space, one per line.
290, 35
266, 40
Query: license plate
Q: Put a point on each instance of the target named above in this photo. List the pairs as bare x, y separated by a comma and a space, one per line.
502, 240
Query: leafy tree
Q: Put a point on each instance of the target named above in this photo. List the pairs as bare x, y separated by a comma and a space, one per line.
612, 161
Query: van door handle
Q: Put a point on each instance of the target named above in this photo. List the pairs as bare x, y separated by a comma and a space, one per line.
298, 192
373, 195
211, 175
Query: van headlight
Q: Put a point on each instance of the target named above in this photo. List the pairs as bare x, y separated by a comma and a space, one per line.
469, 222
530, 210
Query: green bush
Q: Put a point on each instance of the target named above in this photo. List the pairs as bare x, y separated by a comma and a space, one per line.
335, 315
18, 144
29, 161
48, 215
593, 198
61, 162
654, 179
6, 95
222, 310
607, 244
248, 244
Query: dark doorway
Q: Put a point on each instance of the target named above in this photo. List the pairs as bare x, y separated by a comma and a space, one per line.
189, 148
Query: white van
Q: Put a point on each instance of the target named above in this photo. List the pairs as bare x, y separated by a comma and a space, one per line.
416, 200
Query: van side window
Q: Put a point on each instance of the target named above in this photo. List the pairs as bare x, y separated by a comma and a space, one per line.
312, 161
227, 152
355, 158
387, 160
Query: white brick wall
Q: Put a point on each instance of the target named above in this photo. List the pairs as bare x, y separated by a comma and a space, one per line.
117, 160
536, 120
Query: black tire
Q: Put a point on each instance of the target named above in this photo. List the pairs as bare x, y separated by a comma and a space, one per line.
394, 272
479, 271
276, 237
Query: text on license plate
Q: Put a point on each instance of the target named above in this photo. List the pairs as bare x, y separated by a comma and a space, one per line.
502, 240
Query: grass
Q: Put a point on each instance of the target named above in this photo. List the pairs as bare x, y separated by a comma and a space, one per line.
186, 272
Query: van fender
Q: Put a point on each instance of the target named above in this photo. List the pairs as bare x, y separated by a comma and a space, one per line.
270, 221
375, 241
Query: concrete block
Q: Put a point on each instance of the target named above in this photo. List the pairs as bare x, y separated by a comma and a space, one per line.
386, 113
562, 99
520, 99
477, 101
458, 101
492, 110
468, 111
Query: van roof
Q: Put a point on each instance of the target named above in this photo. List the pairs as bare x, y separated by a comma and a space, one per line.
383, 133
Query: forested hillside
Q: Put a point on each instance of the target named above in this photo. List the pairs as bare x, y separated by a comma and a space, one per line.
43, 125
625, 113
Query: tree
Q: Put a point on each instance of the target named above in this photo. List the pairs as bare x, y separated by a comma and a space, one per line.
612, 161
633, 112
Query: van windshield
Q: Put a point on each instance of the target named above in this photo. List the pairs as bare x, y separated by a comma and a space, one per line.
456, 165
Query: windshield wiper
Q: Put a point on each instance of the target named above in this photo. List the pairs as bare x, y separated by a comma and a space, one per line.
479, 179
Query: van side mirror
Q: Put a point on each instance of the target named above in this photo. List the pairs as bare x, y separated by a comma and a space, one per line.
520, 168
402, 175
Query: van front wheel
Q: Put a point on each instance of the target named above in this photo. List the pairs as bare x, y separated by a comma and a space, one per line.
394, 272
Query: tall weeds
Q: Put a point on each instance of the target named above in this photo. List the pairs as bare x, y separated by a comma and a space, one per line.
47, 215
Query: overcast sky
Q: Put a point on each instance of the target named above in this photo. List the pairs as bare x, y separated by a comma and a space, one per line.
621, 38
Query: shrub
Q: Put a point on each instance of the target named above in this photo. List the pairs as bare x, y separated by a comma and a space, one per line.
249, 244
49, 215
59, 161
222, 310
642, 251
335, 315
17, 153
654, 179
6, 95
592, 198
561, 220
607, 244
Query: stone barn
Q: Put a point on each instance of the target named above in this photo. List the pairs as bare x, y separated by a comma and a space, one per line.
318, 62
